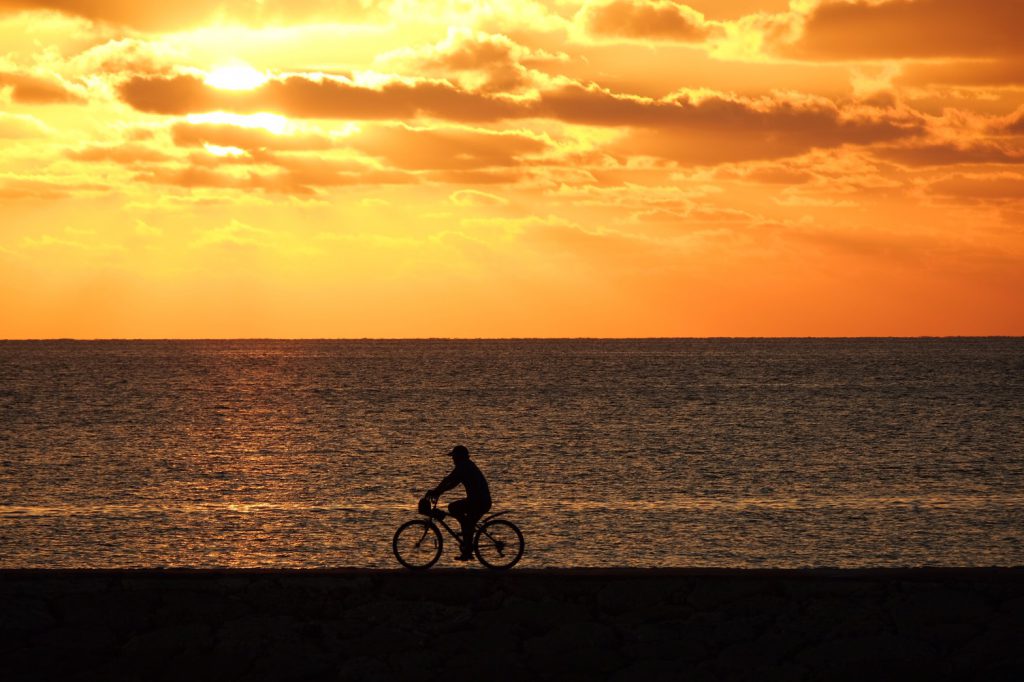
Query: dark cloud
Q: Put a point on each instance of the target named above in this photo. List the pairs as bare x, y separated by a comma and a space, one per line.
779, 116
949, 154
419, 149
716, 130
918, 28
168, 94
709, 129
1016, 123
645, 20
330, 98
975, 73
999, 187
26, 89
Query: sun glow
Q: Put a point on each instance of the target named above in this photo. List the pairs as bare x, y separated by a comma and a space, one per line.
218, 150
236, 77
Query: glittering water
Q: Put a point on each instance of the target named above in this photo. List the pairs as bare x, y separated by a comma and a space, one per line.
634, 453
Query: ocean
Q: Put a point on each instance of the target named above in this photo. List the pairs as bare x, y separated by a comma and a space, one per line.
639, 453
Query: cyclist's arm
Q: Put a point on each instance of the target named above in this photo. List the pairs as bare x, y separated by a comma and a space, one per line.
449, 482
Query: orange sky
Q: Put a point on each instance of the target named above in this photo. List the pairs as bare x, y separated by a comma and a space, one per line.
304, 168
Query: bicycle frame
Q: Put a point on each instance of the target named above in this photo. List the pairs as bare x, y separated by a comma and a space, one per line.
455, 535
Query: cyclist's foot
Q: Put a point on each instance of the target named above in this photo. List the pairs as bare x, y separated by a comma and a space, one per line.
464, 557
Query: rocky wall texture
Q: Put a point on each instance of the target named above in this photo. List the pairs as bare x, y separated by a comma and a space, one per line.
931, 624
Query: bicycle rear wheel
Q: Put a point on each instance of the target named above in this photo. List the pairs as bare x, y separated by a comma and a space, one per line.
499, 544
417, 544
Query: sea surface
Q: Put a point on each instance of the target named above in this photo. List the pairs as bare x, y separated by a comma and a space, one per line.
719, 452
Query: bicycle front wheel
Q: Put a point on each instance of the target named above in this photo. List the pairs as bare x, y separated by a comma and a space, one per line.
499, 544
417, 544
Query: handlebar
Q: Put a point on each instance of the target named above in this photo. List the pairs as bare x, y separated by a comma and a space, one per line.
431, 509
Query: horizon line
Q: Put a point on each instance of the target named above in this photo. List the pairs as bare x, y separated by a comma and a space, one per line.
511, 338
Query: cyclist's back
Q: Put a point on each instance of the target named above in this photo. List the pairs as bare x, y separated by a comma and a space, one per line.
472, 479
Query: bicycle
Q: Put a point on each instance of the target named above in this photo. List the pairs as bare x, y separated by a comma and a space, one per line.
497, 543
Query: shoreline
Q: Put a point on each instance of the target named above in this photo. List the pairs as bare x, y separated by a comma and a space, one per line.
473, 567
599, 623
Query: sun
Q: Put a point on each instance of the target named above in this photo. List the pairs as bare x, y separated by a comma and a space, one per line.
236, 77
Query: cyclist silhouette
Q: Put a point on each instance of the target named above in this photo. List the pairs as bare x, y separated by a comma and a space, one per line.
476, 503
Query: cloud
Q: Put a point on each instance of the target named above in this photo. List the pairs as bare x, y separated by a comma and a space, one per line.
125, 55
249, 139
695, 216
473, 197
632, 196
25, 89
644, 20
455, 155
493, 63
972, 72
127, 154
166, 16
790, 172
494, 16
234, 235
1015, 123
142, 15
743, 36
975, 188
48, 241
13, 126
947, 154
447, 149
747, 128
479, 177
717, 129
291, 175
772, 175
309, 172
910, 29
16, 187
324, 97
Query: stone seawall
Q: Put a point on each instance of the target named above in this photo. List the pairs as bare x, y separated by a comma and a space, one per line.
930, 624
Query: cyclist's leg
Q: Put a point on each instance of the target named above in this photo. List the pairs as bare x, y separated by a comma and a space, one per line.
461, 510
473, 516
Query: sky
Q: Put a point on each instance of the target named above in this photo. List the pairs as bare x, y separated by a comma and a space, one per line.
511, 168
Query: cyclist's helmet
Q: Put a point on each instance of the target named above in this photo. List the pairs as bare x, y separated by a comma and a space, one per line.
459, 453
